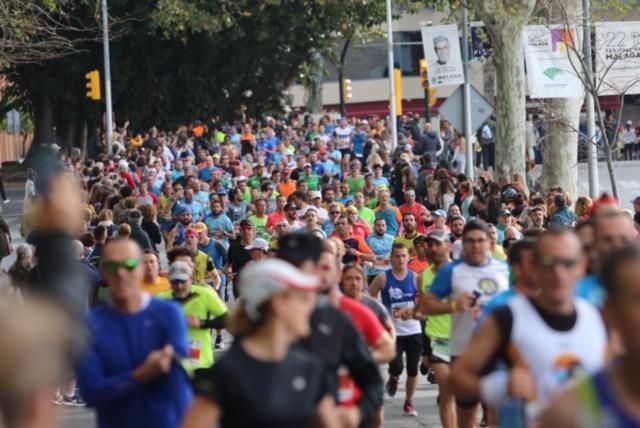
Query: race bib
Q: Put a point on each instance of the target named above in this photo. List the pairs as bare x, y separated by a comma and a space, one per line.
194, 348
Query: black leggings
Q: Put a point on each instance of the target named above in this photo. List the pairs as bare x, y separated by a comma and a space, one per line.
412, 346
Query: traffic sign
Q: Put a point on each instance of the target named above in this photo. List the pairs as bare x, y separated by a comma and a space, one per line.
452, 109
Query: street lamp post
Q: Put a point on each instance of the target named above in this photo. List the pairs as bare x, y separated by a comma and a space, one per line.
592, 148
107, 78
392, 84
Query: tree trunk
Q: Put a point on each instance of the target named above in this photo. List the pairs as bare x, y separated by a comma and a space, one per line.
560, 167
504, 21
43, 132
314, 103
560, 164
510, 100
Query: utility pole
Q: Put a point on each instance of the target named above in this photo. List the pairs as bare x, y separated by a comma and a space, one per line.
592, 148
107, 78
468, 147
393, 122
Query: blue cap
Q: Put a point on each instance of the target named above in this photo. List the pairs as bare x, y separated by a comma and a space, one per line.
439, 213
222, 191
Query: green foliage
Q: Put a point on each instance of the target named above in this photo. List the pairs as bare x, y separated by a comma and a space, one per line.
174, 61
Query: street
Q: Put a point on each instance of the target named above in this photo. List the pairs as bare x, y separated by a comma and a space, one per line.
425, 398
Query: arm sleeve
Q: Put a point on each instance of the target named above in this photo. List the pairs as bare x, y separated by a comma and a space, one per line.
97, 386
364, 370
217, 322
441, 286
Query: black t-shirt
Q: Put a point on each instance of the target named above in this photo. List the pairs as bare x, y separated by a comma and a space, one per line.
238, 256
253, 393
336, 341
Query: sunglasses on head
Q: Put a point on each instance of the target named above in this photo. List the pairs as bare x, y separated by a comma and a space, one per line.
112, 266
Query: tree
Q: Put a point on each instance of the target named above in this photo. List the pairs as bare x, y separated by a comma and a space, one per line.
560, 164
504, 21
38, 30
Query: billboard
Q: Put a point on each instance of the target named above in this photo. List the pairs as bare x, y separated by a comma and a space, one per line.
550, 56
617, 54
442, 51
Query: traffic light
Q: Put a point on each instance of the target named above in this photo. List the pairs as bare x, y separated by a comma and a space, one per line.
424, 75
346, 88
397, 79
433, 96
93, 85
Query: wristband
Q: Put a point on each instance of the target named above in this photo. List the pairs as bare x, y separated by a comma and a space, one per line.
493, 387
454, 306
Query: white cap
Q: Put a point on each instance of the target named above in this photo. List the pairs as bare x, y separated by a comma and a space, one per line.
257, 243
180, 271
315, 194
260, 280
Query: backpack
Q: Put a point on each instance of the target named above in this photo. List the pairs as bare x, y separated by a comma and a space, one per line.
486, 133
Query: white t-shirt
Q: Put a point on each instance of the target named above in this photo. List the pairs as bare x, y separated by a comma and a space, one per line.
344, 137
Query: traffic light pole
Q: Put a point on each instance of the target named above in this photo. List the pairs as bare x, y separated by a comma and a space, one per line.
392, 85
469, 170
343, 109
427, 103
107, 78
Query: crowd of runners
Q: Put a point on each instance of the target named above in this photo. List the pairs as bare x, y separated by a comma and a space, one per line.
329, 259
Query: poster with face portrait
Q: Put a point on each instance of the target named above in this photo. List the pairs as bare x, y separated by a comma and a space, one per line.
442, 51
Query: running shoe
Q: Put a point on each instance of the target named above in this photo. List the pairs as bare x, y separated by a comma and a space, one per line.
392, 386
57, 399
6, 201
219, 342
409, 410
431, 377
71, 402
423, 369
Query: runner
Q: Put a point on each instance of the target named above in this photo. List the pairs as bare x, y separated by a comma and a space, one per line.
461, 288
548, 339
438, 328
410, 233
203, 310
380, 243
608, 398
397, 288
144, 386
335, 339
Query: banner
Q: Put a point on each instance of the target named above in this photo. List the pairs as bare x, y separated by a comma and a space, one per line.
548, 52
442, 51
618, 57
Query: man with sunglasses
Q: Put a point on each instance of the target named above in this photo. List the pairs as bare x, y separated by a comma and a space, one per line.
140, 340
203, 309
548, 339
461, 288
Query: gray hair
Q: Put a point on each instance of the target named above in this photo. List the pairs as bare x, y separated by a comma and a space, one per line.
439, 39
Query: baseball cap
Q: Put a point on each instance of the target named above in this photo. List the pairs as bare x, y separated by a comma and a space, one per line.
636, 200
505, 211
438, 235
629, 122
245, 223
134, 214
259, 244
222, 191
201, 227
315, 194
192, 231
179, 271
290, 206
261, 280
536, 208
307, 165
439, 213
419, 239
322, 151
